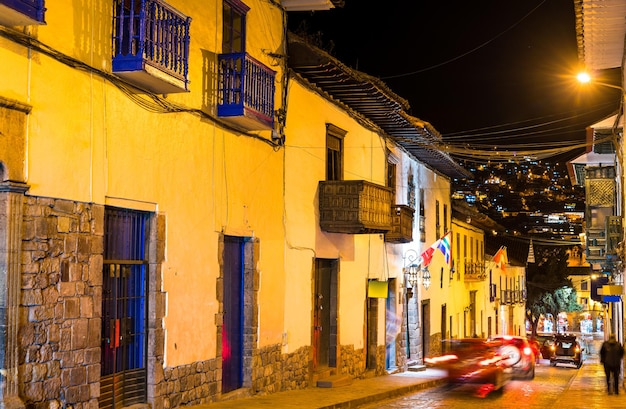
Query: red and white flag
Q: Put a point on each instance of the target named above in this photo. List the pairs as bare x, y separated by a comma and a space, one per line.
444, 245
427, 255
501, 258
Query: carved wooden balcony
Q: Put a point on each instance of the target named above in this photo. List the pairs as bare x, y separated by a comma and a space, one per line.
401, 225
354, 207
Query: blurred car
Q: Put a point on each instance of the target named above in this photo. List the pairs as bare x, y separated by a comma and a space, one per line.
566, 350
545, 342
518, 355
472, 361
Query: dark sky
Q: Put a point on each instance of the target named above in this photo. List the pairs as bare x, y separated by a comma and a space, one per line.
464, 66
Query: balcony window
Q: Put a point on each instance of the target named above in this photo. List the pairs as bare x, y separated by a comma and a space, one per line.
234, 27
151, 45
22, 12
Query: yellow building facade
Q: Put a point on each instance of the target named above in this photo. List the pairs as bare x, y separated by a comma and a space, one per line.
142, 201
188, 214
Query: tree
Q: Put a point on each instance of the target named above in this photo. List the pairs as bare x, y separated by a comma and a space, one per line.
562, 299
548, 288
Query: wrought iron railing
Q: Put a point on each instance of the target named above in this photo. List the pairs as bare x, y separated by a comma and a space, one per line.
150, 32
246, 88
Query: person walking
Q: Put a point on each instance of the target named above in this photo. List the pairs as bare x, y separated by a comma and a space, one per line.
611, 354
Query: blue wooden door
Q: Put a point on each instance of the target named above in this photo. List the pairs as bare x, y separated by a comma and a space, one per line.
232, 329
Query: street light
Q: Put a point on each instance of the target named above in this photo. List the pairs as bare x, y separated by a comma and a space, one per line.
585, 78
412, 271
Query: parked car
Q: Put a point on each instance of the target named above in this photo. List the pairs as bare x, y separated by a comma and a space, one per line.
566, 350
518, 355
473, 361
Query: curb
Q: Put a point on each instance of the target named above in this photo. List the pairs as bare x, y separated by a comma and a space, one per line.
389, 394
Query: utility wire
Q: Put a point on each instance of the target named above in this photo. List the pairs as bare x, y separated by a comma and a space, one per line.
597, 108
468, 52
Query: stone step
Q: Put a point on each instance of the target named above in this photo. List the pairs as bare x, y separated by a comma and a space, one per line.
417, 368
335, 381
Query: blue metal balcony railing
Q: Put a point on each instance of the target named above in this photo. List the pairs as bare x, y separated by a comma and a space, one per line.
246, 89
23, 12
149, 32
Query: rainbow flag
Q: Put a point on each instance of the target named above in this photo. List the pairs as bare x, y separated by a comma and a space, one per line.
445, 246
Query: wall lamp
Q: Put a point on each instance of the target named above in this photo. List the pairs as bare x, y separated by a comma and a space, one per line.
413, 273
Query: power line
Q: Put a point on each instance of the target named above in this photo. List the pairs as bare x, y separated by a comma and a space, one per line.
468, 52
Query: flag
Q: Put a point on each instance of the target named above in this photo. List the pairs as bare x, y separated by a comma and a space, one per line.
445, 244
501, 258
427, 255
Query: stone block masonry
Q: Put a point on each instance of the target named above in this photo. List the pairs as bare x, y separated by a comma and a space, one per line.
60, 306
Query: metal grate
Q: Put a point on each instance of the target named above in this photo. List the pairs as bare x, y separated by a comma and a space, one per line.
124, 309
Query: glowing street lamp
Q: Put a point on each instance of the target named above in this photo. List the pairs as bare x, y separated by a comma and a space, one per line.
585, 78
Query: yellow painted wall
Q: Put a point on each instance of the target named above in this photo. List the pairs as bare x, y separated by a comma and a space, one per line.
88, 141
361, 255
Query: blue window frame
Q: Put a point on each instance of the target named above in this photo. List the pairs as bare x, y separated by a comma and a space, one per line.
32, 11
234, 27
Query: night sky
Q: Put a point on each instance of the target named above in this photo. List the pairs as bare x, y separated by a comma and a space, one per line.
481, 71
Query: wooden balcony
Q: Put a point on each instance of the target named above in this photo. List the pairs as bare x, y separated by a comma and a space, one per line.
401, 225
474, 271
354, 207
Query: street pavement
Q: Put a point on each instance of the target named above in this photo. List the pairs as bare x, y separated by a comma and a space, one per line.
587, 389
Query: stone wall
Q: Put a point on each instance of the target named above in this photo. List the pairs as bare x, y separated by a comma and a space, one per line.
381, 361
60, 307
435, 344
275, 372
401, 358
296, 369
272, 372
353, 361
192, 384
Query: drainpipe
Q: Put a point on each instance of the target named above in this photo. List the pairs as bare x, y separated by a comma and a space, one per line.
408, 332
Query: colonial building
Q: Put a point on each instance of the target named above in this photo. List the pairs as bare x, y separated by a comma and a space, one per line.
379, 194
195, 207
142, 166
